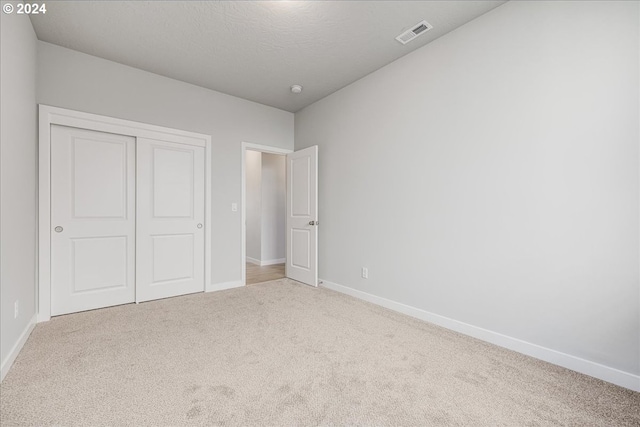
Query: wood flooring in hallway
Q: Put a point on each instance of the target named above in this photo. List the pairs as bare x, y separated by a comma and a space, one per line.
258, 274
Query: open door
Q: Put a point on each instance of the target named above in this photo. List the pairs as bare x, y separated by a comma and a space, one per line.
302, 216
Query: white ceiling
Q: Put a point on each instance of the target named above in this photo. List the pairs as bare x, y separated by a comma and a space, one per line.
252, 49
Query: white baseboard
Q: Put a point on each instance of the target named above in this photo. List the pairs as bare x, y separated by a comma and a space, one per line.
13, 354
605, 373
224, 285
267, 262
273, 261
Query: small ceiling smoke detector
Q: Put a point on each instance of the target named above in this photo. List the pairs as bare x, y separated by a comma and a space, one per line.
420, 28
296, 89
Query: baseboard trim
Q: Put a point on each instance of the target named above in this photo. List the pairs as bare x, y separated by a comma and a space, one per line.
13, 354
267, 262
273, 261
224, 285
593, 369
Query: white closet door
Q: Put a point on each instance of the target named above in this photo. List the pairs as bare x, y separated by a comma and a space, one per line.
170, 219
92, 219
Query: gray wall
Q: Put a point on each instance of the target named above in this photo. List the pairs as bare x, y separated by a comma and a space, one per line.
77, 81
265, 181
253, 195
17, 178
492, 177
274, 187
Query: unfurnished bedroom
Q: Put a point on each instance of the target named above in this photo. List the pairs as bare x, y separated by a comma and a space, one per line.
305, 213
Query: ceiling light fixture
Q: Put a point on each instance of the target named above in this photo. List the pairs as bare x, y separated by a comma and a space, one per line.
296, 89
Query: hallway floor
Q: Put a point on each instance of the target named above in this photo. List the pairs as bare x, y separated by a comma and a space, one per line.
258, 274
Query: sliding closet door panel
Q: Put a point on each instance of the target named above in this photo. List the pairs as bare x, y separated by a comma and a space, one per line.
92, 219
170, 219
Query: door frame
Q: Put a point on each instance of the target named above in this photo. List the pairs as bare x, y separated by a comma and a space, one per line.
48, 116
243, 198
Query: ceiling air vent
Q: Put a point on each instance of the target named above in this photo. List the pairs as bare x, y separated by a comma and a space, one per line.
419, 28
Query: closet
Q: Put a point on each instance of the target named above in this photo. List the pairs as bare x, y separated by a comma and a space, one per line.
127, 217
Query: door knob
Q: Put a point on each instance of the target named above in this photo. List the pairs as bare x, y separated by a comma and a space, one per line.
313, 222
58, 229
200, 225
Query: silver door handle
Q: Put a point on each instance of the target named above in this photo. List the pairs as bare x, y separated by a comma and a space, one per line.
199, 225
313, 222
58, 229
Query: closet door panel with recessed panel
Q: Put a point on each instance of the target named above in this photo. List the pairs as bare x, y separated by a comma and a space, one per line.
170, 219
92, 219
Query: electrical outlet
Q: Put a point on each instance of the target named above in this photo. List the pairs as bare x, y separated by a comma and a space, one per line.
15, 310
365, 273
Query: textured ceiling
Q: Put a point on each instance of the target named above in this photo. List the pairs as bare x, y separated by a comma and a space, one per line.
252, 49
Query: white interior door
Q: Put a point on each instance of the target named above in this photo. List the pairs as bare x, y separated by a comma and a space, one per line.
92, 219
302, 216
170, 219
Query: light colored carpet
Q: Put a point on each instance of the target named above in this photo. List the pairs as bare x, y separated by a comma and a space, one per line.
281, 353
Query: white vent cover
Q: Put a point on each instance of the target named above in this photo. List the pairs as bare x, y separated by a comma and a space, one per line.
420, 28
